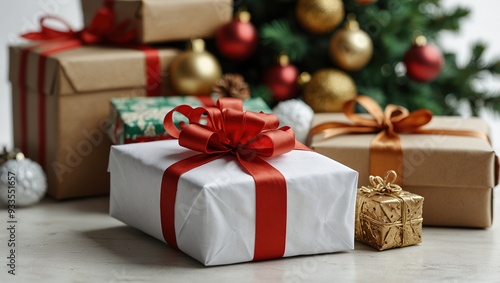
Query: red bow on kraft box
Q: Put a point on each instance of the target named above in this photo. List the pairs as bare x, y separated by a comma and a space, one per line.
251, 137
102, 30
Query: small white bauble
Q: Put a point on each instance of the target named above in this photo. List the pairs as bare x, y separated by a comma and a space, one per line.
22, 181
296, 114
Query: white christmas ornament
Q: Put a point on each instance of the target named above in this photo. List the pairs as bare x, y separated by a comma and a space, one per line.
296, 114
22, 181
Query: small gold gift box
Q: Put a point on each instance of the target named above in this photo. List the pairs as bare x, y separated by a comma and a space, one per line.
386, 216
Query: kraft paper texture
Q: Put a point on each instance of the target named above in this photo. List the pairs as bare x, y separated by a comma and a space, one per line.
215, 204
433, 166
165, 21
79, 86
91, 69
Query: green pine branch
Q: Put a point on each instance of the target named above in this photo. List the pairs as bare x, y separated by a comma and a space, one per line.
492, 103
450, 20
278, 36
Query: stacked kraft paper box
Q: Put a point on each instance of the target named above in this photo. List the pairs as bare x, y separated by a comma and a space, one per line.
61, 105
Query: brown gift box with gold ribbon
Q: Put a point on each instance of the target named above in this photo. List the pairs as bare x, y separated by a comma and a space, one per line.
447, 160
163, 21
386, 216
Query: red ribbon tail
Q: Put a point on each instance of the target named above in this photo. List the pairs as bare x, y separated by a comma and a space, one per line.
23, 112
153, 70
168, 193
47, 33
270, 207
42, 135
206, 101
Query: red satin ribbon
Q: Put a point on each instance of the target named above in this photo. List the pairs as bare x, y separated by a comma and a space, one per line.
249, 137
101, 30
42, 97
23, 112
386, 151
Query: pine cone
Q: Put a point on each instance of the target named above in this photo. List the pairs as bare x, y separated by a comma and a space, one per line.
231, 85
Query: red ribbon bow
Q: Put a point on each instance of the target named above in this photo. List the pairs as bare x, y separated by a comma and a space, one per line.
230, 130
226, 129
102, 29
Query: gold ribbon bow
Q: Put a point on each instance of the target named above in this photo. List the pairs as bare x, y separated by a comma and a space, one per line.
383, 186
386, 151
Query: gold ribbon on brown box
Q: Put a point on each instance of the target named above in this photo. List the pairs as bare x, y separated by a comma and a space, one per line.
386, 152
386, 228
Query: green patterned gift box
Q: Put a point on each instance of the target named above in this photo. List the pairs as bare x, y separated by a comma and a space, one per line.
140, 119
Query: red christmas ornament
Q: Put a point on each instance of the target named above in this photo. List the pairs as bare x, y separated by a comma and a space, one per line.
281, 78
423, 61
237, 40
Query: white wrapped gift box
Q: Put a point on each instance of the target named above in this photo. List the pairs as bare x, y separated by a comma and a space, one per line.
215, 203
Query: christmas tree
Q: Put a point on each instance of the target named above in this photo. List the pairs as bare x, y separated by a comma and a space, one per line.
391, 25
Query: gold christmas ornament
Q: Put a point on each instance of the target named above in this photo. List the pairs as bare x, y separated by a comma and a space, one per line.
303, 79
328, 90
319, 16
194, 72
351, 48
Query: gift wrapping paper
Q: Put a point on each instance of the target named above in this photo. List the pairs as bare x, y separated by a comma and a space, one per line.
215, 205
140, 119
386, 221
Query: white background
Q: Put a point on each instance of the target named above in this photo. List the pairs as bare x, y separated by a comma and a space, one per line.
17, 16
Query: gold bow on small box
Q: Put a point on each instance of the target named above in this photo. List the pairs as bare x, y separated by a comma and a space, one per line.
382, 186
386, 215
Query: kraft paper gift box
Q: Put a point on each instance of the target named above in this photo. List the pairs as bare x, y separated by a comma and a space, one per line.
63, 124
140, 119
242, 190
165, 21
455, 174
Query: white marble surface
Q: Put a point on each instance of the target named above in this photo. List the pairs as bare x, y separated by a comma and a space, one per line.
76, 241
